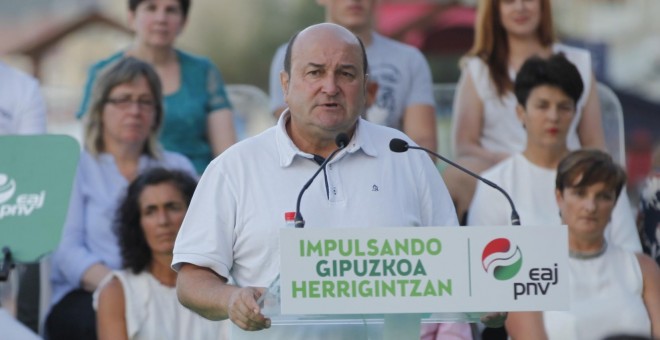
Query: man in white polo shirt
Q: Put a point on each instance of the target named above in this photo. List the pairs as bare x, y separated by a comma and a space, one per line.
231, 227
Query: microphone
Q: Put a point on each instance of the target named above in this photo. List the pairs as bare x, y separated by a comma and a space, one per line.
341, 141
400, 145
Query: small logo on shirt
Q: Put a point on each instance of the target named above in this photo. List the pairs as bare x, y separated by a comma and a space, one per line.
374, 187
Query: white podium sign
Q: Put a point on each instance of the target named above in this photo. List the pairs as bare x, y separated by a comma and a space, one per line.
423, 270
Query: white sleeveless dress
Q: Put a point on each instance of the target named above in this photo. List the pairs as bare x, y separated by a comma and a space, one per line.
605, 299
154, 312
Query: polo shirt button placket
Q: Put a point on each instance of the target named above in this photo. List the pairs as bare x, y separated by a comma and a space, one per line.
333, 188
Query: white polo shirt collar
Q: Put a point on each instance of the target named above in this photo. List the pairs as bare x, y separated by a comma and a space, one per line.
288, 150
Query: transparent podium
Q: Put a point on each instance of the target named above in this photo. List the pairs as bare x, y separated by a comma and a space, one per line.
382, 283
358, 326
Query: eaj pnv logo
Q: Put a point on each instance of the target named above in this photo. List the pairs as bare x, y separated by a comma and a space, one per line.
7, 188
25, 203
500, 260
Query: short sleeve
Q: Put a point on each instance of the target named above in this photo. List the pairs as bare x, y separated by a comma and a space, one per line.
215, 86
421, 90
206, 238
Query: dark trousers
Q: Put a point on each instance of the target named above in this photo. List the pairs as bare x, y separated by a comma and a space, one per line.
73, 317
494, 334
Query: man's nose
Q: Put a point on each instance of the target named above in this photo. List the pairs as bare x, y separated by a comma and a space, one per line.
330, 85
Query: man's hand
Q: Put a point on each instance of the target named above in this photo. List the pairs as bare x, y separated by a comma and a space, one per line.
494, 320
244, 311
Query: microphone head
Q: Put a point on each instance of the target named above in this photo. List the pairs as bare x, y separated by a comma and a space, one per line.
341, 140
398, 145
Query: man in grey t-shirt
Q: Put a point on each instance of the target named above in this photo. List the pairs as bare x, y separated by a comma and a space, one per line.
404, 98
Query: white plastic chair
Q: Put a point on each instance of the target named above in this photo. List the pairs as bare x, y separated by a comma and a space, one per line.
251, 109
612, 116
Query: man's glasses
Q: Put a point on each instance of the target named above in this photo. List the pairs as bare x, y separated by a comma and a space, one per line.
124, 103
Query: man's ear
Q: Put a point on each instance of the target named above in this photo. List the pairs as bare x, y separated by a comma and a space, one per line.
372, 90
284, 82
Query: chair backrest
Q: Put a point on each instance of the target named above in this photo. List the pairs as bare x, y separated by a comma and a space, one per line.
612, 116
251, 109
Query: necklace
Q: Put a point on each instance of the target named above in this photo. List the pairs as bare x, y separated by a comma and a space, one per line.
586, 256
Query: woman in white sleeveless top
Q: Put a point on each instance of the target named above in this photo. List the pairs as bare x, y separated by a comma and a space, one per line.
612, 291
485, 128
140, 302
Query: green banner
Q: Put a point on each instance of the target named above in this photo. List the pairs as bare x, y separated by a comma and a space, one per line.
36, 175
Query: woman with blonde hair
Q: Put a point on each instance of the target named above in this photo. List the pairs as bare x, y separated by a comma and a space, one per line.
121, 140
485, 127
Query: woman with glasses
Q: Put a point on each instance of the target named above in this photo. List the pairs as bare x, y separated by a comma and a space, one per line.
199, 122
120, 141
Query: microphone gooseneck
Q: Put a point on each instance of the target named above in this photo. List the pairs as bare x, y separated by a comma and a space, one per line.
400, 145
341, 141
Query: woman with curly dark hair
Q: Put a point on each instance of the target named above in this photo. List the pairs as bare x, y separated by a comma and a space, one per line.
139, 302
